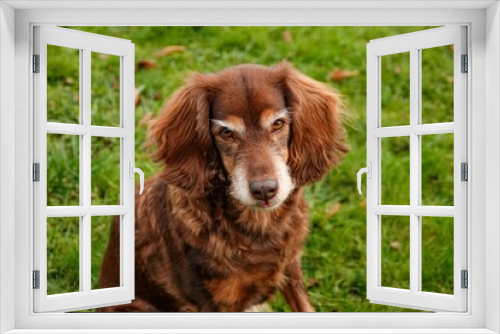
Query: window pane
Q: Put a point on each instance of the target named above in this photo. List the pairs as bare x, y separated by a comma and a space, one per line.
63, 255
101, 228
105, 89
395, 171
63, 84
437, 254
63, 168
437, 84
437, 169
395, 89
105, 171
395, 251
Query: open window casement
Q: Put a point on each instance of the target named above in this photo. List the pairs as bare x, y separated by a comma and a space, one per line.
88, 134
409, 213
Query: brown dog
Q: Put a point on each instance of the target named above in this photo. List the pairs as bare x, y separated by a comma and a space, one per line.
221, 227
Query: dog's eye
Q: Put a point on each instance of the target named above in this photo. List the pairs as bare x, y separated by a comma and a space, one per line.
226, 133
278, 124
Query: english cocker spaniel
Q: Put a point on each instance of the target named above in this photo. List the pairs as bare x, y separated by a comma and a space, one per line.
221, 227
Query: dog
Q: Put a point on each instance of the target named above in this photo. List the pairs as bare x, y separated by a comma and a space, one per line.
221, 227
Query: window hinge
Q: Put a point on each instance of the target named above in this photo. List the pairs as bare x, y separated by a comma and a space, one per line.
464, 172
465, 279
465, 64
36, 279
36, 172
36, 63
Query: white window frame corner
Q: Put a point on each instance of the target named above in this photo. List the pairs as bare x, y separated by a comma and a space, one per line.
483, 127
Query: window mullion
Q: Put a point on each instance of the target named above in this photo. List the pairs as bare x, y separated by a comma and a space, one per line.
85, 114
414, 172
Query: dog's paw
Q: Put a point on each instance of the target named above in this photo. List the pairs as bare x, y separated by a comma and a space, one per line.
189, 308
264, 307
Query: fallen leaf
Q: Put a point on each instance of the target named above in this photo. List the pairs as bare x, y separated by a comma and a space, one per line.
170, 49
395, 245
312, 282
115, 85
145, 119
287, 36
146, 63
138, 91
334, 209
339, 75
68, 81
137, 97
363, 204
397, 69
157, 96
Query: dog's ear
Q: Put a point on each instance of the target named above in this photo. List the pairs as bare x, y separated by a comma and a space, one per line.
182, 136
317, 141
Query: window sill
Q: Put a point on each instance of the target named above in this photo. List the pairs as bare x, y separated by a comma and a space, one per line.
252, 331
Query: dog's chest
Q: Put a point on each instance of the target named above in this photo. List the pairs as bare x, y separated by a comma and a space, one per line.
241, 259
239, 291
252, 268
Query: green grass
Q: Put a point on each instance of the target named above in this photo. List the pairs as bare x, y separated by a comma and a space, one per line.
334, 258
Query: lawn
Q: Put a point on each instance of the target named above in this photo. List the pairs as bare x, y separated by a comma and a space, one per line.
334, 258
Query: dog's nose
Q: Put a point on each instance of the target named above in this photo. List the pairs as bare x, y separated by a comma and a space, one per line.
264, 190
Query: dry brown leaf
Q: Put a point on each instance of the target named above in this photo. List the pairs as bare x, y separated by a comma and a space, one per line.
396, 245
137, 96
334, 209
312, 282
145, 119
397, 69
157, 96
287, 36
170, 49
363, 204
68, 81
146, 63
339, 75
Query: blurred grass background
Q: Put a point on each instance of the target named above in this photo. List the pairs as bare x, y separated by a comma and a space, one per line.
334, 258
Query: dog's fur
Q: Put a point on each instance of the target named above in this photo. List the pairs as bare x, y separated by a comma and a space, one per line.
202, 241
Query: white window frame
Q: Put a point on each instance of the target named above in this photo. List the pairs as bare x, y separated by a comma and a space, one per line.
85, 43
483, 129
414, 43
